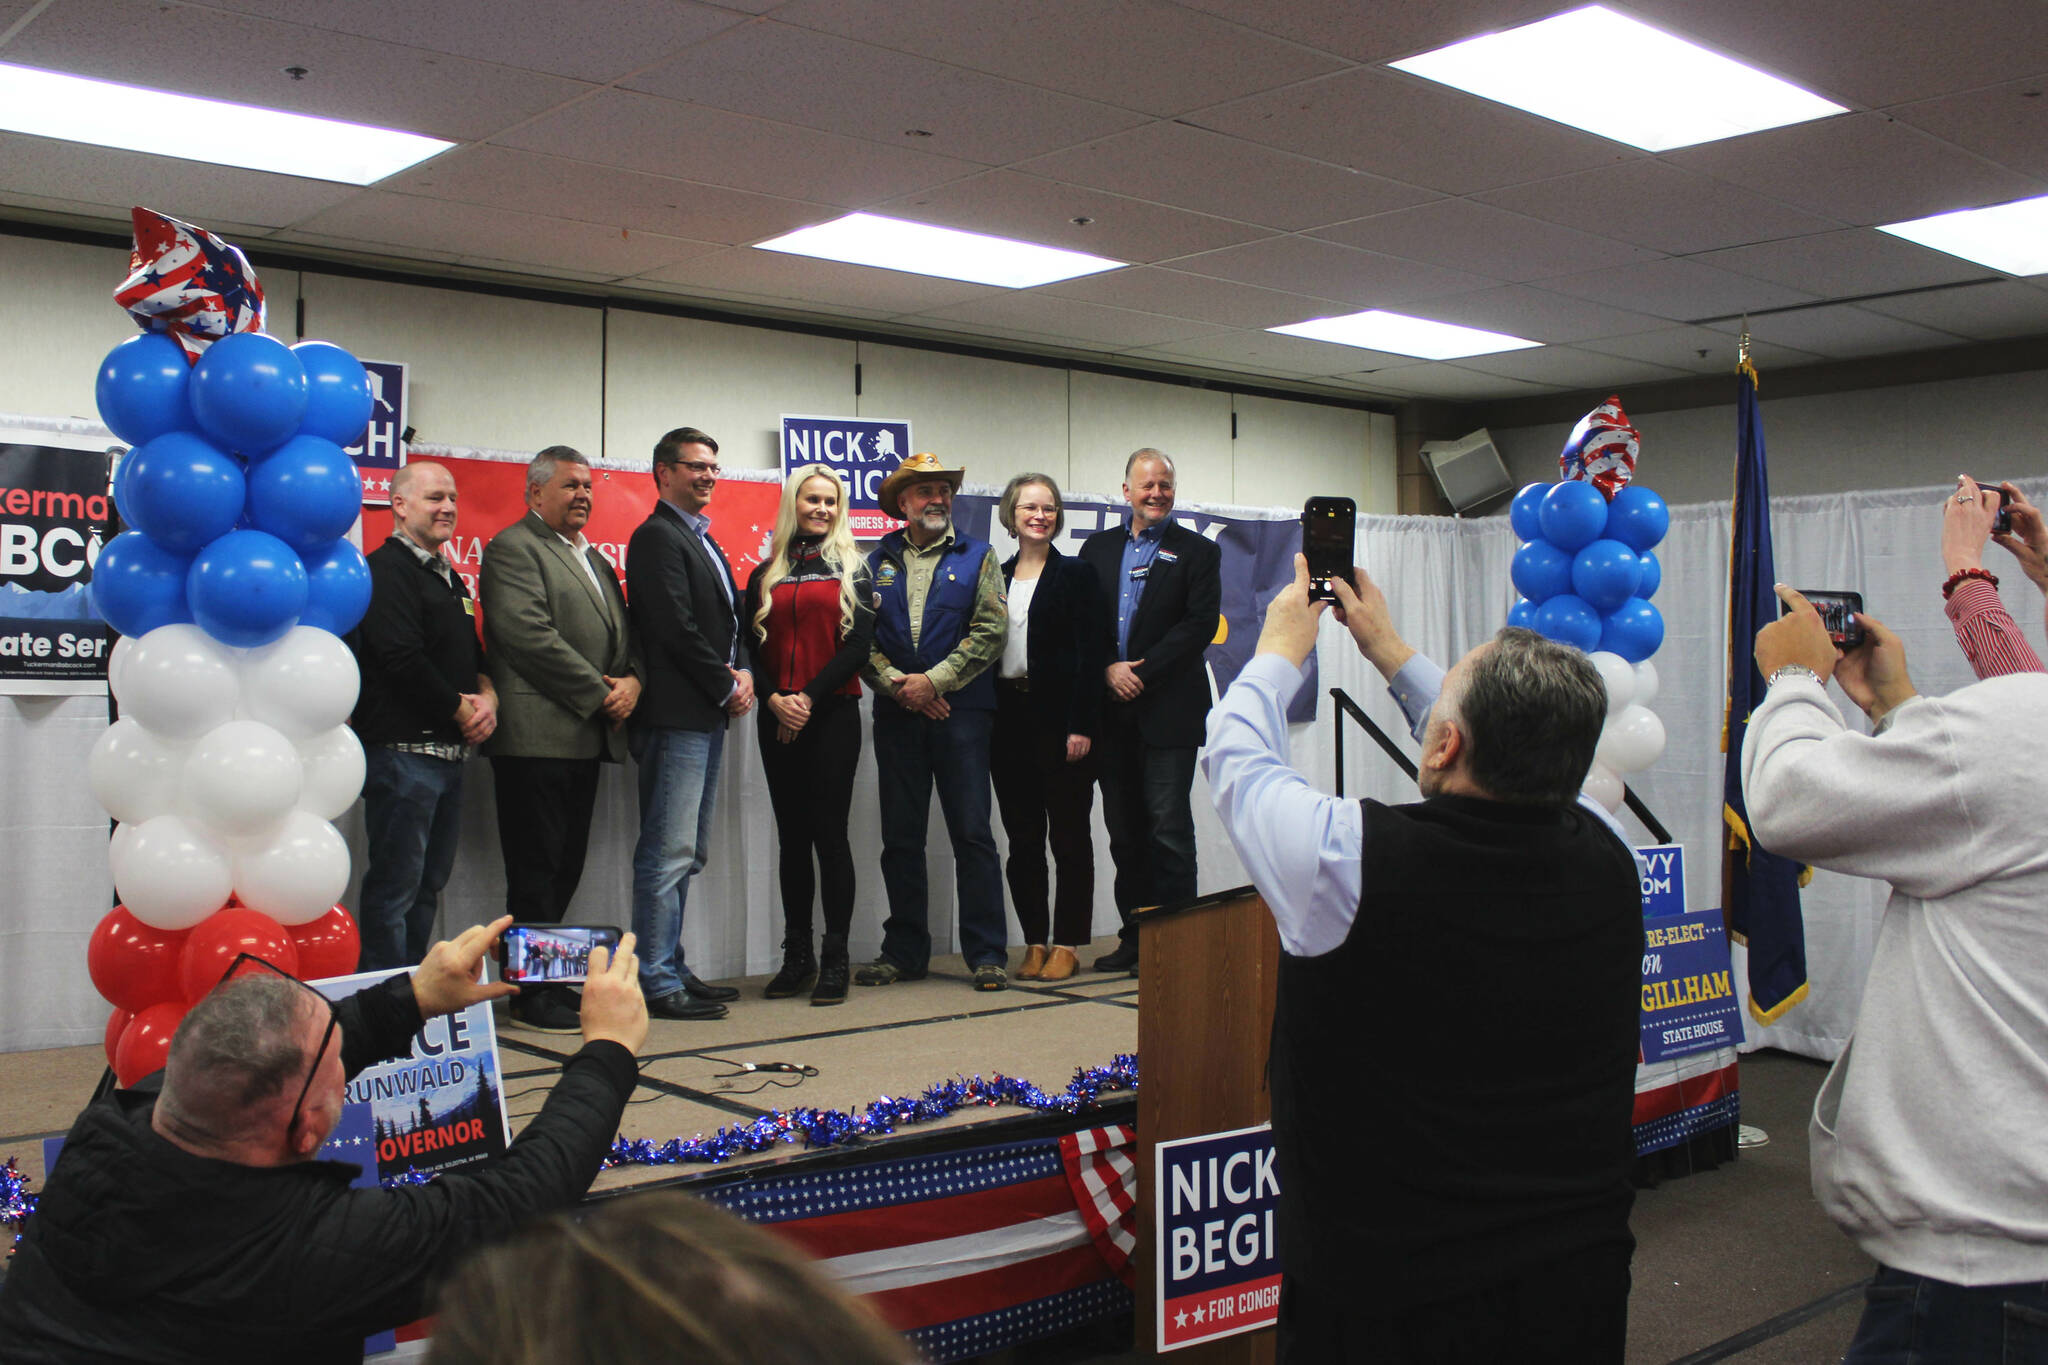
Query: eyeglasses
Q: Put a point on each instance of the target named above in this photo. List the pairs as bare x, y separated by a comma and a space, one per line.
697, 467
333, 1019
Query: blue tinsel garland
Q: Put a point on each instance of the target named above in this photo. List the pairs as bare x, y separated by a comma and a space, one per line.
16, 1203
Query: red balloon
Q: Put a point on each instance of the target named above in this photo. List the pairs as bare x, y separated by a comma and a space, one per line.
146, 1042
133, 965
215, 942
117, 1023
329, 946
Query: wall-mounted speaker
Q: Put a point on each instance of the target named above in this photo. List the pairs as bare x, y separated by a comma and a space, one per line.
1468, 471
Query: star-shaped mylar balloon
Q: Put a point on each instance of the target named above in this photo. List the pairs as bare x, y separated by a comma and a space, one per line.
185, 281
1602, 449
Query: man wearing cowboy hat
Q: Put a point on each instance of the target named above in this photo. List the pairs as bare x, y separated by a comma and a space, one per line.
940, 620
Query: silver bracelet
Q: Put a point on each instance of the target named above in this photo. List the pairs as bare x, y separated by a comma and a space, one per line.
1800, 670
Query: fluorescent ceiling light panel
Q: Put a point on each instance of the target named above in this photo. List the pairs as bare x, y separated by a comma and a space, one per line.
2009, 237
1611, 75
921, 249
1377, 330
75, 109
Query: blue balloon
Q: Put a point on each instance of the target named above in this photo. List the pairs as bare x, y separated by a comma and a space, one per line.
246, 589
248, 392
337, 588
1571, 515
1653, 576
141, 388
1541, 571
1522, 511
338, 397
1522, 614
138, 585
1638, 518
1605, 573
180, 491
1569, 621
1634, 630
306, 492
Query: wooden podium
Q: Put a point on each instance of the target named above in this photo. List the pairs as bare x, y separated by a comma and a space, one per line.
1205, 1025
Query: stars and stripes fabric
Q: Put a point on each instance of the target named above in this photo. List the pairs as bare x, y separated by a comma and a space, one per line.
966, 1252
187, 282
1103, 1173
1759, 889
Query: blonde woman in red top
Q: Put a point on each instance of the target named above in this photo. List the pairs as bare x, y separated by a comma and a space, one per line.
809, 619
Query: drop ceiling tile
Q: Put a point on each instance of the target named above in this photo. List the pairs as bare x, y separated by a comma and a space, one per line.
1537, 314
946, 109
1862, 168
1378, 33
471, 231
1178, 294
1486, 240
1654, 204
1412, 130
1847, 263
1191, 168
1304, 265
607, 41
1982, 312
1702, 350
508, 179
1841, 331
196, 191
1449, 381
1682, 290
801, 282
1571, 368
662, 137
1067, 320
1272, 353
1141, 54
380, 83
2006, 123
1036, 210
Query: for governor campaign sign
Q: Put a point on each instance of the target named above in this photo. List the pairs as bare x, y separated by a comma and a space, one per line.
862, 450
54, 513
1688, 995
1218, 1258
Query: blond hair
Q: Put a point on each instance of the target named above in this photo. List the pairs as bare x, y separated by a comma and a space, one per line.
838, 550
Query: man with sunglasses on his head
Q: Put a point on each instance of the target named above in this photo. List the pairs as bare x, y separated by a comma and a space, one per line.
187, 1219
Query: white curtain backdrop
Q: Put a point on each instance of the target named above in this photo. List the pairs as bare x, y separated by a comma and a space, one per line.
1447, 581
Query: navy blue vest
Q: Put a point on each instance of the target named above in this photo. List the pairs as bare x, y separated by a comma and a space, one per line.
948, 611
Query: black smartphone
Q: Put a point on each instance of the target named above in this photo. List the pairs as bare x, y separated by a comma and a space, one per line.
544, 954
1838, 612
1328, 528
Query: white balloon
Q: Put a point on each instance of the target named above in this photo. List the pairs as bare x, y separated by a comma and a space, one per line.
1604, 785
333, 765
180, 682
117, 661
119, 842
1619, 676
301, 685
170, 875
1646, 683
1632, 740
299, 875
133, 773
242, 778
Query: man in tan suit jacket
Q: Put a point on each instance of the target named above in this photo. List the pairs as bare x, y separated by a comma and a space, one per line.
562, 657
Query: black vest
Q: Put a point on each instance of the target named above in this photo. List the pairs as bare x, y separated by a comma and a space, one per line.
1453, 1086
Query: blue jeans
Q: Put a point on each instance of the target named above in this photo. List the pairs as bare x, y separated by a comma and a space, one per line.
912, 755
678, 790
1913, 1320
412, 814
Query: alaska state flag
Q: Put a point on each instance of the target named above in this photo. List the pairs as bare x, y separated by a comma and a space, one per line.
1759, 890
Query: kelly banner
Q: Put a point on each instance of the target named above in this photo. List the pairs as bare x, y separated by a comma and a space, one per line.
1258, 561
1217, 1262
55, 510
864, 451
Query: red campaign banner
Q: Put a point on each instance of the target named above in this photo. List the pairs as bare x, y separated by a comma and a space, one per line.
491, 495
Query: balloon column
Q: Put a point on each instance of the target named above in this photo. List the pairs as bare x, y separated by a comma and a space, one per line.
1586, 573
231, 590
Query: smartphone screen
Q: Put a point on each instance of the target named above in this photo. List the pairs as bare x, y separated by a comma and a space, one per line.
536, 954
1328, 529
1838, 612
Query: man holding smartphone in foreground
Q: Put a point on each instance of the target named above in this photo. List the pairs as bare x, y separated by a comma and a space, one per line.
187, 1219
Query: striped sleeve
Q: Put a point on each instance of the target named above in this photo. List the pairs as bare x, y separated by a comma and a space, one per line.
1990, 639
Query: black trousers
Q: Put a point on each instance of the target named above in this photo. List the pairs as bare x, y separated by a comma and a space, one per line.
544, 807
810, 785
1151, 825
1041, 794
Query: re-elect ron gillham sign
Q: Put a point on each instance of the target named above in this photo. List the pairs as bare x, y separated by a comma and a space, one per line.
1219, 1262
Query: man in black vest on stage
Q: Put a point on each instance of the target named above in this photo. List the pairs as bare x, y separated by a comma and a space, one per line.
1165, 589
1433, 1206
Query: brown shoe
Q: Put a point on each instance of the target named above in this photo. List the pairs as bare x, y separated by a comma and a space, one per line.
1034, 963
1060, 965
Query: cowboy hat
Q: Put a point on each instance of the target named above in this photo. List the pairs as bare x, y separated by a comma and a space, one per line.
919, 467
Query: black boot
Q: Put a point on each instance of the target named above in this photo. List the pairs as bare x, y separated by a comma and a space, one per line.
799, 966
832, 971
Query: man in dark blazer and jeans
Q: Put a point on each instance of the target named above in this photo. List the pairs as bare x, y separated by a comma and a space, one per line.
1165, 590
685, 609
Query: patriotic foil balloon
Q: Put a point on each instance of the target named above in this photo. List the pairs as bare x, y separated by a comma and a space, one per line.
1602, 449
189, 283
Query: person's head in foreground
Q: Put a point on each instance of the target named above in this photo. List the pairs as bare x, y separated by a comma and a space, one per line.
652, 1277
1517, 721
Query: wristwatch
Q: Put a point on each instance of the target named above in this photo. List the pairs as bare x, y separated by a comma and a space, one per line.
1793, 670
